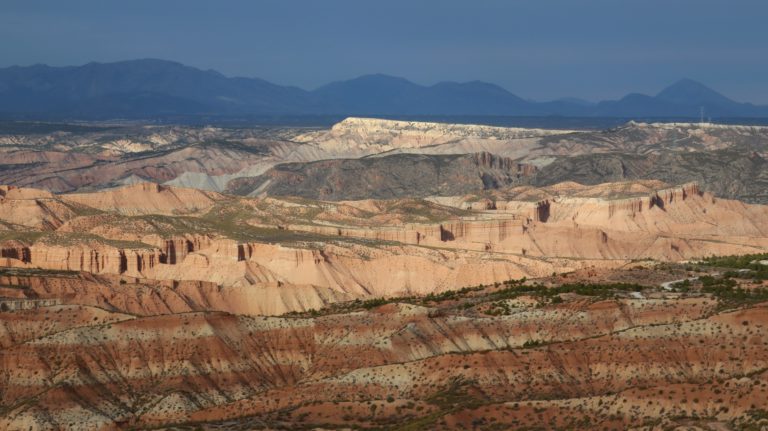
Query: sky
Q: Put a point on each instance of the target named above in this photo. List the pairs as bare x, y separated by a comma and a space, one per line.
537, 49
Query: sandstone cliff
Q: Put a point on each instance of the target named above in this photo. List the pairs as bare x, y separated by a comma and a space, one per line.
382, 248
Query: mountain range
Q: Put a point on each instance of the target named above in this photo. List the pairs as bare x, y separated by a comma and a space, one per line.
155, 88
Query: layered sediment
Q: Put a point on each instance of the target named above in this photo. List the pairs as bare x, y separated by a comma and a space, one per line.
87, 366
339, 247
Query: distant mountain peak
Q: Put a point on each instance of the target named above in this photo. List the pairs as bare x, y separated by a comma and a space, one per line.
141, 62
373, 80
471, 84
688, 91
688, 82
379, 77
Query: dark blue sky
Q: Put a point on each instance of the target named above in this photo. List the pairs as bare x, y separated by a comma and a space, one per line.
539, 49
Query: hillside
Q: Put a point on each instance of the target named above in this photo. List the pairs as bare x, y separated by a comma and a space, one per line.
396, 176
573, 353
735, 174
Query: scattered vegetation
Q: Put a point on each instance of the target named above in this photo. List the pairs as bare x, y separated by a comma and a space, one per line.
495, 294
453, 397
532, 343
746, 261
69, 239
730, 293
599, 290
746, 266
30, 272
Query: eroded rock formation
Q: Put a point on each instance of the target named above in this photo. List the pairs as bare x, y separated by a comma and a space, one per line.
366, 249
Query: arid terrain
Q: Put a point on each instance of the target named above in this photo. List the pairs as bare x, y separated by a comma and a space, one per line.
729, 161
383, 274
593, 349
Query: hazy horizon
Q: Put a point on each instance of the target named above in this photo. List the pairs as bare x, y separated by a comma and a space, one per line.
594, 50
573, 98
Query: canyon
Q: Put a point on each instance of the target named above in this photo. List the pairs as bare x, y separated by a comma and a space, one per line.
383, 274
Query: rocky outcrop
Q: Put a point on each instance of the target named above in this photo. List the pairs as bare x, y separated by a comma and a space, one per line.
22, 193
630, 206
366, 127
94, 158
488, 160
667, 223
542, 213
97, 259
728, 173
175, 250
658, 199
26, 304
464, 234
357, 270
148, 198
358, 137
15, 250
387, 177
32, 208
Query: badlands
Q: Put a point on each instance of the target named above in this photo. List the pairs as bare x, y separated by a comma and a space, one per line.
729, 161
383, 274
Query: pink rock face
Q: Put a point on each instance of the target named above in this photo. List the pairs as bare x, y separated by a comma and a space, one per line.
337, 247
